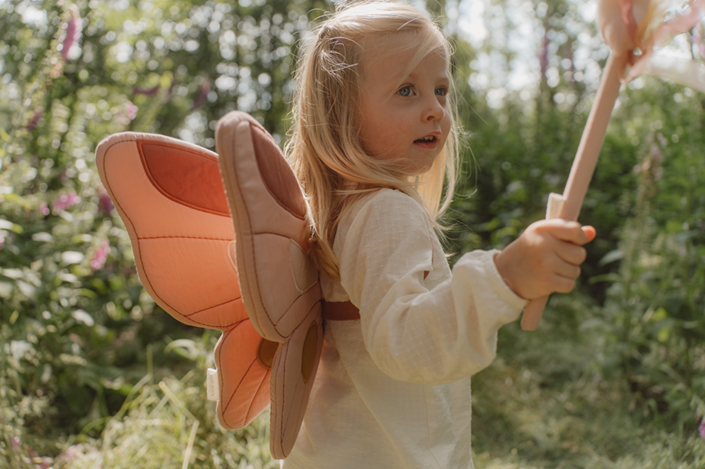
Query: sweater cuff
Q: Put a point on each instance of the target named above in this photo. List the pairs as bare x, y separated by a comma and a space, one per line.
498, 284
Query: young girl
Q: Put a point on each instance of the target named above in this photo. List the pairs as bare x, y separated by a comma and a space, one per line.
374, 142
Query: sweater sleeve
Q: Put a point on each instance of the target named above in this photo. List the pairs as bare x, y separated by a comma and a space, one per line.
414, 333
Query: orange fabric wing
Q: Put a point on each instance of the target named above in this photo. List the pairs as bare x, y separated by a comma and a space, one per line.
171, 198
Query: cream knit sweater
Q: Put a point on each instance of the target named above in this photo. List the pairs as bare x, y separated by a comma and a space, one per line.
393, 389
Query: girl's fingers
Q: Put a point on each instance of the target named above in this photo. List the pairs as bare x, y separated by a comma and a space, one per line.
570, 231
565, 269
563, 284
571, 253
590, 233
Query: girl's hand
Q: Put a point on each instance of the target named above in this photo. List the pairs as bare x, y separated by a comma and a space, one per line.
545, 258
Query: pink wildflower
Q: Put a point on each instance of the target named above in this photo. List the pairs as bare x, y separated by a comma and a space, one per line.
100, 256
701, 429
72, 452
44, 209
15, 443
131, 110
205, 88
698, 39
32, 124
73, 32
66, 201
543, 55
104, 203
171, 88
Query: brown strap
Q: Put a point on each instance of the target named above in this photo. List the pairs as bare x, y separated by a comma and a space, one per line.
340, 311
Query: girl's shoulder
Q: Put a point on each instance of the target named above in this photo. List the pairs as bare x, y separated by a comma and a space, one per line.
385, 201
389, 208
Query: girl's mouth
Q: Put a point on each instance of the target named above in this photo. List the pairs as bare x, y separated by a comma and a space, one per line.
427, 142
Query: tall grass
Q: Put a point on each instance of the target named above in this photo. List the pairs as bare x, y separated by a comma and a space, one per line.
545, 403
163, 423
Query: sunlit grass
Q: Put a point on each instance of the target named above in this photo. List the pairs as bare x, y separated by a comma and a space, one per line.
544, 404
170, 424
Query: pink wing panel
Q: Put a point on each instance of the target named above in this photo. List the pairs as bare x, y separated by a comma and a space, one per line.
180, 238
193, 276
171, 198
244, 383
147, 208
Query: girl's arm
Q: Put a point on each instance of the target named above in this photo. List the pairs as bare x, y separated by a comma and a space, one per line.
420, 330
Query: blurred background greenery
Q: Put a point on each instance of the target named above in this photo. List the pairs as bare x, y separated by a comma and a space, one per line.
94, 374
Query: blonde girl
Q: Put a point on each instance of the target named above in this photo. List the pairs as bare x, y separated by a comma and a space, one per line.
375, 145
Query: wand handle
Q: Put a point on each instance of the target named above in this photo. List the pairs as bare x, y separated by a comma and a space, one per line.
584, 163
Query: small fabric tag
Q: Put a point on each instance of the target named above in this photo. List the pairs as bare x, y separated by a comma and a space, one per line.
212, 384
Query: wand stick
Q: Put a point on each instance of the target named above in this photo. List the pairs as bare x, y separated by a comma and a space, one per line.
567, 206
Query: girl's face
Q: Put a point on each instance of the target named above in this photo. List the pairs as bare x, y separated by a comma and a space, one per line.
404, 118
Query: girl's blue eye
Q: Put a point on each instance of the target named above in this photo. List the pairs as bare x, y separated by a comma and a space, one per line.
406, 91
441, 92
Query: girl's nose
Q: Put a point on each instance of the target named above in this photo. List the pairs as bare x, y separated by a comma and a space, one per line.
433, 110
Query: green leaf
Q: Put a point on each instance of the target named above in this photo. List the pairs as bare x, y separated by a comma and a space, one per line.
613, 278
663, 334
659, 315
5, 290
611, 256
7, 225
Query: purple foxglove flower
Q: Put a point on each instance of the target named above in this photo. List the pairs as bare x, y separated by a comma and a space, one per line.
698, 39
131, 110
104, 203
701, 429
72, 452
543, 54
171, 88
32, 124
205, 88
100, 256
73, 31
65, 201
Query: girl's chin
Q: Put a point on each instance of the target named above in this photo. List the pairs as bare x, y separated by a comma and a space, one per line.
417, 168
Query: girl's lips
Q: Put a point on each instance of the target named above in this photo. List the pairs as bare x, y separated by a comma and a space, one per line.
429, 144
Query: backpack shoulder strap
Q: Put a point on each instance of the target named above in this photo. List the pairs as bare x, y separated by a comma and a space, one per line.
340, 311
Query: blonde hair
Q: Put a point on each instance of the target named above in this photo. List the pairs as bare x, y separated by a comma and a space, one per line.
324, 148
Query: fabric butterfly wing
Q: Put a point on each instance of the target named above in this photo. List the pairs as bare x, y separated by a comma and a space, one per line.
170, 196
279, 281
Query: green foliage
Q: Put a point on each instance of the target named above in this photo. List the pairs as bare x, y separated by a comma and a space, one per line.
645, 272
78, 334
162, 423
75, 322
654, 308
546, 404
168, 423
